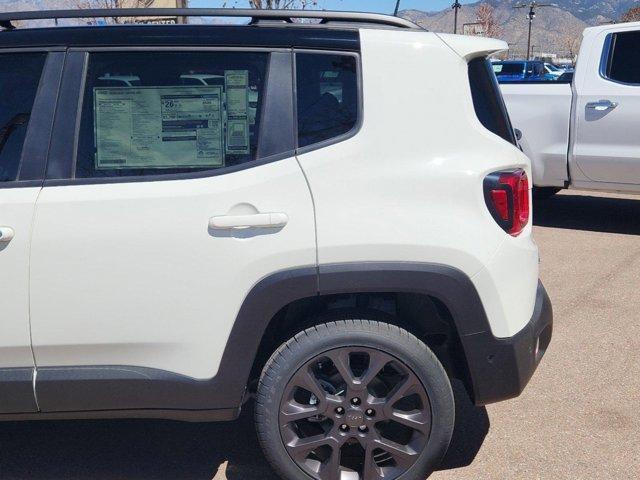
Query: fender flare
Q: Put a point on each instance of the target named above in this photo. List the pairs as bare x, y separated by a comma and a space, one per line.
449, 285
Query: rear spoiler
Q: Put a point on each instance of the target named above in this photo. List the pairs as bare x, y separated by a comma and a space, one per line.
473, 47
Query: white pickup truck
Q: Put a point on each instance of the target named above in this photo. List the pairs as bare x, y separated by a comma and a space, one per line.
585, 134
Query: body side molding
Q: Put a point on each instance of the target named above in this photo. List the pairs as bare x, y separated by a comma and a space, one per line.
16, 390
83, 388
129, 388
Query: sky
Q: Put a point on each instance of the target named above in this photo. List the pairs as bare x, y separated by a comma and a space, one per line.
381, 6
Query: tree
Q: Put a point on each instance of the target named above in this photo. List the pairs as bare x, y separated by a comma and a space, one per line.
485, 15
631, 15
284, 4
275, 4
116, 3
570, 44
112, 4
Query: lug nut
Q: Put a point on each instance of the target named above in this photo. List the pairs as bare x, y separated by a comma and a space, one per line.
370, 412
355, 401
344, 428
363, 428
340, 411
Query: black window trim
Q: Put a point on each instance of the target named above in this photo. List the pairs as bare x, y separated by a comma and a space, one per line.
503, 127
606, 58
61, 168
359, 121
33, 156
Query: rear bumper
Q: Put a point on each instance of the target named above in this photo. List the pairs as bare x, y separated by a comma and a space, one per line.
500, 368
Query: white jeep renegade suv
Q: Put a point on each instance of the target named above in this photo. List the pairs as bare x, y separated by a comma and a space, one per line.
305, 213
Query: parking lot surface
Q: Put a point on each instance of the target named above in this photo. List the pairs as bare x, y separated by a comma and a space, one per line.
579, 418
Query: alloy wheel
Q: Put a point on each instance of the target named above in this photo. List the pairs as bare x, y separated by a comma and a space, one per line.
354, 413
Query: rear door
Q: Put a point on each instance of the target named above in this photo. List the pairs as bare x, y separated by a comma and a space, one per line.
607, 111
28, 88
165, 203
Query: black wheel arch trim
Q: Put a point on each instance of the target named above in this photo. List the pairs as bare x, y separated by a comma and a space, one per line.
448, 284
498, 368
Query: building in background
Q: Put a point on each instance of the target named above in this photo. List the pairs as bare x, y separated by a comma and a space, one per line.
116, 4
475, 29
153, 4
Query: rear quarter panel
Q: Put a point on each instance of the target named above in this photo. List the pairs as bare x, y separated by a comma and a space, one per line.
408, 186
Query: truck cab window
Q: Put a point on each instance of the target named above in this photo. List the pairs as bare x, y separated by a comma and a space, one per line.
624, 58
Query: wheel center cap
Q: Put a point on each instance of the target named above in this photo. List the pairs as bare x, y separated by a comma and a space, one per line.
354, 418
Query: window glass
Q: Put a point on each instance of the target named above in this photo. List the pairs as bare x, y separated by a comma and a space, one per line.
154, 113
538, 69
508, 68
624, 65
19, 79
327, 96
487, 99
527, 72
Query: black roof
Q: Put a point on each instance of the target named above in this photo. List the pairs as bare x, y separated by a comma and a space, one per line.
183, 35
268, 28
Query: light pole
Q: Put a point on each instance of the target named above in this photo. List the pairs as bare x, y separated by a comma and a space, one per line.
530, 16
395, 12
456, 6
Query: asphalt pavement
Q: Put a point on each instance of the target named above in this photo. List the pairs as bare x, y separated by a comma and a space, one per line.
579, 418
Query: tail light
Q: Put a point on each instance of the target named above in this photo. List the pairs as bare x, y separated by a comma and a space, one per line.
506, 194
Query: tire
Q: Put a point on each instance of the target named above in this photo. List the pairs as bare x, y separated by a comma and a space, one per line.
543, 193
300, 432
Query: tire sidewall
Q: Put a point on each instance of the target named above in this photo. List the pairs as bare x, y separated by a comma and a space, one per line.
387, 338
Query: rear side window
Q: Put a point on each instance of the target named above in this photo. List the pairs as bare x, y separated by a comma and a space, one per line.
327, 96
487, 99
155, 113
624, 58
19, 79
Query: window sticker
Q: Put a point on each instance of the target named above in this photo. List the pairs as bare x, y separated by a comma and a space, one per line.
237, 95
158, 127
253, 105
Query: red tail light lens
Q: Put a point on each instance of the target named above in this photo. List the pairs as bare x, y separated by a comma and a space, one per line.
506, 194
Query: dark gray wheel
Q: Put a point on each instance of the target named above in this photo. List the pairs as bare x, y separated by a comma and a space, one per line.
354, 400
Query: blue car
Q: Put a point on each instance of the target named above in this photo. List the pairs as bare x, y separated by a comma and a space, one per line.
521, 71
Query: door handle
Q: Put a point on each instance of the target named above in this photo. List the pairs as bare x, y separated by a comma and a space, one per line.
256, 220
6, 234
602, 105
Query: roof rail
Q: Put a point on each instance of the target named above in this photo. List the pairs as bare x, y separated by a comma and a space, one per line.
255, 14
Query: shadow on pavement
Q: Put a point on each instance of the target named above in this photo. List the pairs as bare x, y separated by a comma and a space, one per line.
131, 449
583, 212
472, 426
163, 450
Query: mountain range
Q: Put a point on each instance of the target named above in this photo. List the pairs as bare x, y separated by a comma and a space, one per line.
555, 29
